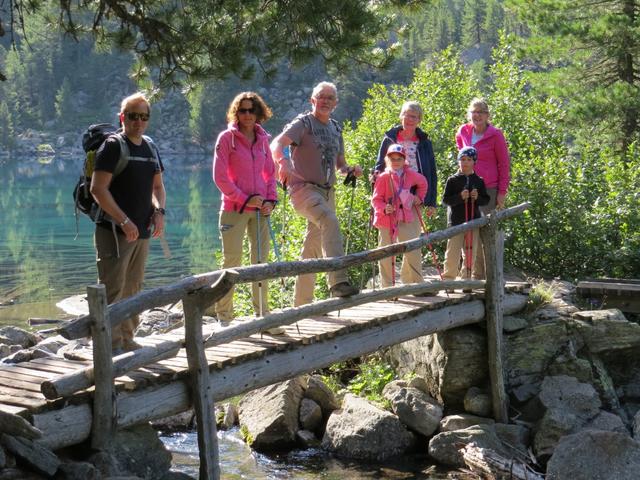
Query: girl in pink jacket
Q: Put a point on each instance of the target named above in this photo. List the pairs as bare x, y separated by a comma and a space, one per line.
398, 194
244, 172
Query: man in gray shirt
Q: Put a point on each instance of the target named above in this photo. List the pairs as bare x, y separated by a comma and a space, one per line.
317, 151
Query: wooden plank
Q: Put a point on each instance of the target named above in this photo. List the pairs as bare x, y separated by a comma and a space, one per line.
201, 390
21, 384
493, 251
103, 425
13, 409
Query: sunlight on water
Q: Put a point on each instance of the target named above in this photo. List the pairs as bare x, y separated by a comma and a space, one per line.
41, 261
238, 461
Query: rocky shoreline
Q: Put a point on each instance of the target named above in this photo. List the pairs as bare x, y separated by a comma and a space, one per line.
572, 376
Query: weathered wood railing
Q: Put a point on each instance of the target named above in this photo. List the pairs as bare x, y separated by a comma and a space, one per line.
200, 291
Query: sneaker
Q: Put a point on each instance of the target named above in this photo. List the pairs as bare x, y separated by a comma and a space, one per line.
343, 289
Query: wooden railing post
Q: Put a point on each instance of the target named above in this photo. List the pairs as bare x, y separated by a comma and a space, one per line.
492, 240
104, 412
201, 393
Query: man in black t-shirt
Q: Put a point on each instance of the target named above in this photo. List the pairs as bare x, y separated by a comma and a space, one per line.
134, 202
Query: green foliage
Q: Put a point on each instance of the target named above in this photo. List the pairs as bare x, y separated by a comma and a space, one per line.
373, 376
540, 294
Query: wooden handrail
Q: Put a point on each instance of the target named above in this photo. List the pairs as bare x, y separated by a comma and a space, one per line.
165, 295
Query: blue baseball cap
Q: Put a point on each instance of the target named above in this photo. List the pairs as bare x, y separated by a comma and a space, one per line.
468, 152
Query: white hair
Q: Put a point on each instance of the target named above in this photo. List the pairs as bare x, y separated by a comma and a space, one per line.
322, 85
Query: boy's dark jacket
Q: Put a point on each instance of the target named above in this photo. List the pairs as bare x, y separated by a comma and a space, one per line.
454, 186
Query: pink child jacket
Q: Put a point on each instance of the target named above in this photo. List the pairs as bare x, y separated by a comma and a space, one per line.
399, 195
493, 155
241, 170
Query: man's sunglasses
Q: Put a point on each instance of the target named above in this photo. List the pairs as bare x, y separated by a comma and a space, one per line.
247, 110
133, 116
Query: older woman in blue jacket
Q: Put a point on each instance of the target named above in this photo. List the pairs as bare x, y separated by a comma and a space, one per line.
418, 148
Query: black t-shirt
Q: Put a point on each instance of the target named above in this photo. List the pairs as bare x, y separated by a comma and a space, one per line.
132, 189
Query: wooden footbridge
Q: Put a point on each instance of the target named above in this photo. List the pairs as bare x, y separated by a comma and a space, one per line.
70, 401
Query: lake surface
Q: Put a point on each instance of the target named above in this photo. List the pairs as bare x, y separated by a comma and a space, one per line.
42, 261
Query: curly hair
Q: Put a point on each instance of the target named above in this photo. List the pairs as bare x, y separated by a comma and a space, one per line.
263, 112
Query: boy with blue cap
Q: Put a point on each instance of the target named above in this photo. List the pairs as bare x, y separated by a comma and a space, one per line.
464, 192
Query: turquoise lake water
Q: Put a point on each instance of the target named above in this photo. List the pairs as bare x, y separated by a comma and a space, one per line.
42, 261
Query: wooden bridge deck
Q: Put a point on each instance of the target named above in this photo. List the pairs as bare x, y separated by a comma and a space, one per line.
20, 383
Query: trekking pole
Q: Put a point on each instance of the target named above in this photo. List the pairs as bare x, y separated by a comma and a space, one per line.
393, 231
350, 180
272, 234
366, 247
258, 240
434, 257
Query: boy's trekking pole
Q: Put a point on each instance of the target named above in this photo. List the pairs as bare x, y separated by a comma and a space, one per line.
350, 180
434, 257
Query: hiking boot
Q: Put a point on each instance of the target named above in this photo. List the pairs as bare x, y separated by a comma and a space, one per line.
343, 289
276, 331
130, 345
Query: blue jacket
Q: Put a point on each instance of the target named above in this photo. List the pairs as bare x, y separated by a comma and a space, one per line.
426, 161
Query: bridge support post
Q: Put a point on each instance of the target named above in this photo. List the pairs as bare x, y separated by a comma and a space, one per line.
493, 242
200, 388
103, 426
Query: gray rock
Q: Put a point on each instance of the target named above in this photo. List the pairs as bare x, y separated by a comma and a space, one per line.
362, 431
478, 402
390, 389
228, 415
462, 421
606, 331
53, 344
419, 383
513, 324
179, 421
77, 471
269, 415
307, 439
177, 476
636, 425
567, 393
310, 415
445, 446
106, 463
18, 336
451, 362
514, 437
318, 391
140, 452
609, 422
555, 424
416, 409
595, 455
572, 366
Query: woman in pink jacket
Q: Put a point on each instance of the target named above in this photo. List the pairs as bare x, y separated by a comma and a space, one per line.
492, 164
244, 172
397, 197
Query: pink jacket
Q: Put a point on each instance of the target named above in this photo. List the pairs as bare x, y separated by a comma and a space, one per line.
493, 155
241, 170
398, 194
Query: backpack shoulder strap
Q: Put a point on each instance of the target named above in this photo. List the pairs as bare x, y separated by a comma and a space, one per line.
153, 146
124, 155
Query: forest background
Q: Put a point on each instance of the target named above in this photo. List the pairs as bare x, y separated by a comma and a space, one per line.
560, 76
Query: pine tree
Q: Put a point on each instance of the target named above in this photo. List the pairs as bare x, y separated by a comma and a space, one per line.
6, 128
473, 23
590, 52
64, 103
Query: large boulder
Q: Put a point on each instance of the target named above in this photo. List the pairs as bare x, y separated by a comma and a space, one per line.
595, 455
363, 431
567, 407
445, 447
17, 336
416, 409
462, 421
451, 362
269, 416
140, 452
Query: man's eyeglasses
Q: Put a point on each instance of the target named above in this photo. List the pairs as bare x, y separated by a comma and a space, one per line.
328, 98
247, 110
133, 116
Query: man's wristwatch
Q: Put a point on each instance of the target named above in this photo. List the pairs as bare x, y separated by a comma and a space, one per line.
124, 222
161, 211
